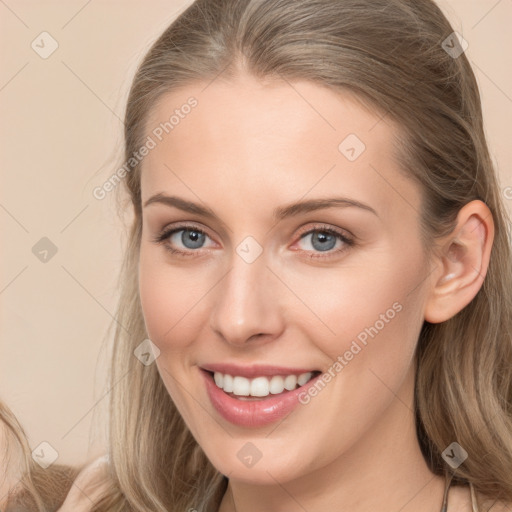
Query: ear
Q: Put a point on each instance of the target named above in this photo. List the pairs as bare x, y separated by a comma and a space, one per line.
461, 263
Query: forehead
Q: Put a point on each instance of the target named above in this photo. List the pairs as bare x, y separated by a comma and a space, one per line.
270, 141
247, 112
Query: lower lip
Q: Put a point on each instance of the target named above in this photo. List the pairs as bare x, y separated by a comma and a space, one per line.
253, 413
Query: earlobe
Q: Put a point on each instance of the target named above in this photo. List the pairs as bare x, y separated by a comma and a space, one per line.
462, 263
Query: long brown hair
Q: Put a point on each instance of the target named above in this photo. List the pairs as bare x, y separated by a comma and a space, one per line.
390, 54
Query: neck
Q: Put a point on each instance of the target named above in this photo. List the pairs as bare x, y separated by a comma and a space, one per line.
385, 470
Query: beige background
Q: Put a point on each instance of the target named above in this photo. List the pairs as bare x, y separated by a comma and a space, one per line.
60, 138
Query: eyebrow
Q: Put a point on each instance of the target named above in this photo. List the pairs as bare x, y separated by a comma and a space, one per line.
279, 213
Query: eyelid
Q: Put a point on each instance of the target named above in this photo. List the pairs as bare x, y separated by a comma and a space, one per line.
322, 226
344, 235
347, 238
164, 234
317, 226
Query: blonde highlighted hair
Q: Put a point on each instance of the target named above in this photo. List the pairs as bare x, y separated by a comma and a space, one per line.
28, 487
389, 54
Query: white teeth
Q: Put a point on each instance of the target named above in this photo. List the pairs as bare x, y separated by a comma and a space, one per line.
259, 386
241, 386
219, 379
227, 385
290, 382
303, 378
276, 384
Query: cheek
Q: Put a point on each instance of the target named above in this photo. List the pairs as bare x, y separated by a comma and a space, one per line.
170, 299
370, 313
377, 321
357, 300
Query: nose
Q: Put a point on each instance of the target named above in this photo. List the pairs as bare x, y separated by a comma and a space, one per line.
246, 304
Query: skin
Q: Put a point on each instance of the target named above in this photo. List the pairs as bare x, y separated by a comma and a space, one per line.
247, 148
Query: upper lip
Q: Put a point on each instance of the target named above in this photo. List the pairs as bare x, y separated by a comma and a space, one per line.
255, 370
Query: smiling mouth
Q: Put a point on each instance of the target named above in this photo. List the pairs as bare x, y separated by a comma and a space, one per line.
260, 387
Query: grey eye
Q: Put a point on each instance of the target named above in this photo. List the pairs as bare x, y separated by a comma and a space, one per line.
321, 240
191, 238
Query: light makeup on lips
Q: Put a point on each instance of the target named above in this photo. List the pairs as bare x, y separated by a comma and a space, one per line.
255, 396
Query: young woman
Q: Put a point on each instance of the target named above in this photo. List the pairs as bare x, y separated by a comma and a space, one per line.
321, 259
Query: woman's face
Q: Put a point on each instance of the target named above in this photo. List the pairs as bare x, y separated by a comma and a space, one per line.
299, 253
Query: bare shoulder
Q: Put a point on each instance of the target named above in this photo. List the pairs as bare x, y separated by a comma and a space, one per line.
88, 486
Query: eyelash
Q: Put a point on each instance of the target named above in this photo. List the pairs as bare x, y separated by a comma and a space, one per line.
163, 236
